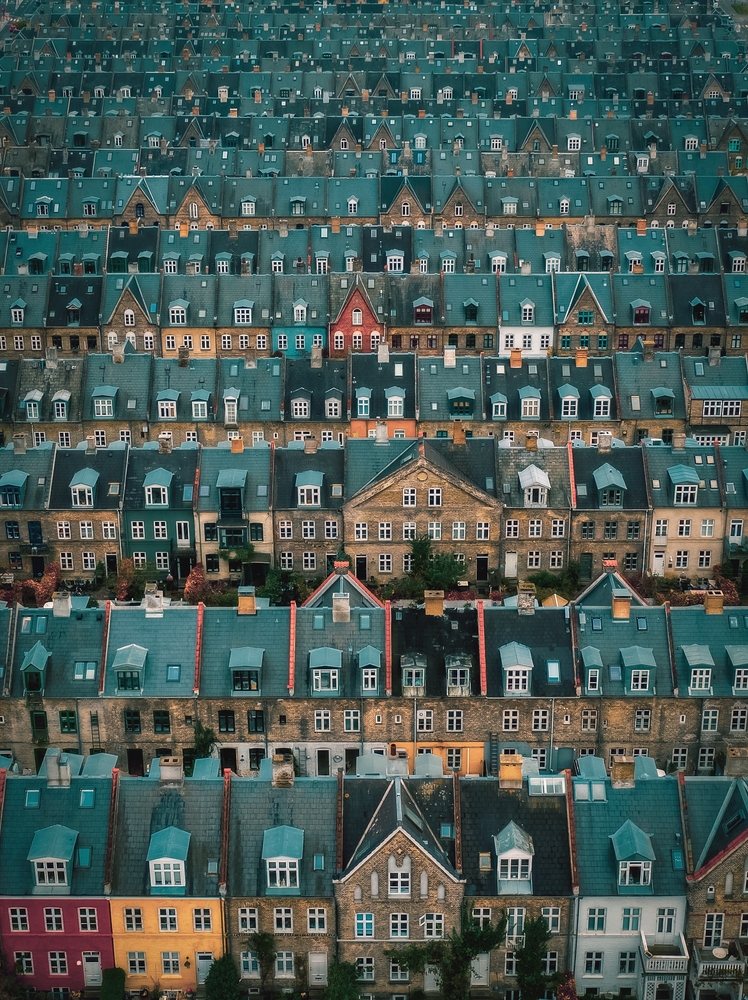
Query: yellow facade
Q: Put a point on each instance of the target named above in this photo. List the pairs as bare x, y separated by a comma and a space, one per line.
199, 933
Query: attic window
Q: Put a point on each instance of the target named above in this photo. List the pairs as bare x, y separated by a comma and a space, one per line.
641, 624
484, 862
33, 797
87, 798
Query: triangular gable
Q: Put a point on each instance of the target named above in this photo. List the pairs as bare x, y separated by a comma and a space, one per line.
341, 581
726, 833
358, 292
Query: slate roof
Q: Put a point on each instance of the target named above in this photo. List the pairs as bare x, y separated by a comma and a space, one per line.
223, 630
711, 800
347, 637
701, 465
627, 461
255, 461
181, 463
256, 806
553, 461
500, 377
638, 377
436, 381
486, 810
720, 633
132, 378
69, 640
109, 463
146, 806
653, 806
369, 372
56, 806
290, 462
441, 639
168, 640
546, 634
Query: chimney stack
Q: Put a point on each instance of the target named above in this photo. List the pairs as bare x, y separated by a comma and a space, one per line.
621, 604
170, 771
648, 349
622, 771
237, 446
515, 357
90, 444
58, 771
714, 602
247, 603
604, 439
510, 770
580, 357
715, 357
61, 604
341, 607
458, 432
310, 446
526, 598
164, 443
531, 441
19, 444
283, 770
434, 601
679, 441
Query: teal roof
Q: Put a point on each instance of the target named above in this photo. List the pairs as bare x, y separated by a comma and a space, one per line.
105, 390
661, 390
130, 657
231, 479
36, 658
246, 657
369, 656
85, 477
631, 842
566, 391
158, 477
738, 655
310, 478
638, 656
597, 391
698, 656
460, 392
606, 476
514, 654
683, 474
56, 842
529, 392
14, 478
168, 394
592, 767
719, 391
169, 843
591, 656
200, 395
283, 842
498, 397
325, 656
513, 838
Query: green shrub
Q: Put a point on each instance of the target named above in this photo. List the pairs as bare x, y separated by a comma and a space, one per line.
112, 984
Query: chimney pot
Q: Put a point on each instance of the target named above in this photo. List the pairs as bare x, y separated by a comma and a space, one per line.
714, 602
247, 602
515, 357
434, 600
237, 446
283, 770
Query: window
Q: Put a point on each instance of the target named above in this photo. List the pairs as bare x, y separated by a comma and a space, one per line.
161, 723
425, 720
352, 720
68, 721
709, 720
642, 720
512, 869
739, 720
24, 962
316, 920
136, 964
454, 721
589, 720
364, 925
51, 873
283, 920
133, 919
322, 721
365, 968
540, 719
170, 963
593, 963
512, 529
685, 494
510, 719
53, 918
433, 925
58, 963
713, 923
399, 882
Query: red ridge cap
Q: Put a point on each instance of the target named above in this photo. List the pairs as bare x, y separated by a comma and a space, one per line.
198, 647
292, 650
482, 650
105, 645
225, 817
109, 856
388, 648
571, 823
569, 448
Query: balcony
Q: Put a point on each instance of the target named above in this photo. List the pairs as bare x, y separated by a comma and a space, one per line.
669, 955
38, 548
712, 965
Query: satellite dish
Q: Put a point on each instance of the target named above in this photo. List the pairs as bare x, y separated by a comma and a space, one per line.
720, 953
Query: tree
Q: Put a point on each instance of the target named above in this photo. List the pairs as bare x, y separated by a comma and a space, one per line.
435, 572
196, 587
567, 987
205, 740
222, 981
262, 944
112, 984
342, 982
452, 957
531, 979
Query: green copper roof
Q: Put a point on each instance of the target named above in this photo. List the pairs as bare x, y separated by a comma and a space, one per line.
514, 654
324, 656
36, 658
683, 474
158, 477
85, 477
130, 657
169, 843
606, 476
246, 657
283, 842
56, 842
631, 842
231, 478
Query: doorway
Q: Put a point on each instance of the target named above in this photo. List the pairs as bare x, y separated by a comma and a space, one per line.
323, 763
361, 568
204, 962
184, 567
658, 564
481, 568
351, 756
510, 565
585, 566
135, 765
228, 759
92, 968
37, 566
111, 563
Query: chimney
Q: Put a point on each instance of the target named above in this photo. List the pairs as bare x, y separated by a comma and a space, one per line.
61, 604
525, 267
603, 153
620, 604
170, 771
604, 439
19, 444
380, 434
247, 603
450, 357
58, 771
90, 444
184, 230
539, 228
715, 357
531, 441
184, 357
641, 227
515, 357
702, 151
341, 607
580, 357
526, 598
283, 770
622, 771
679, 441
648, 348
510, 770
133, 225
237, 446
714, 601
118, 354
458, 433
383, 353
164, 443
434, 601
310, 446
342, 567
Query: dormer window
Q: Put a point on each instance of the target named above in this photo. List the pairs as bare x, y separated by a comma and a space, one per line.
17, 312
128, 667
282, 850
34, 668
514, 854
535, 485
353, 206
309, 489
167, 404
664, 399
245, 664
423, 310
698, 312
178, 314
82, 487
167, 854
686, 482
199, 401
395, 401
642, 311
569, 401
634, 854
325, 665
157, 485
299, 312
414, 674
528, 311
73, 312
516, 664
248, 206
610, 486
243, 312
498, 406
12, 486
51, 856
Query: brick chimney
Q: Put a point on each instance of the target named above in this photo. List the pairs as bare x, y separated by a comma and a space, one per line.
580, 357
515, 358
622, 772
237, 446
510, 770
620, 604
434, 601
714, 602
283, 770
458, 432
247, 603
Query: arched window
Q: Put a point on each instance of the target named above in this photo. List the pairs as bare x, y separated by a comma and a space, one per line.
129, 317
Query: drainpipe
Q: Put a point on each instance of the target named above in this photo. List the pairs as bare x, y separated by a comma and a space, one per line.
553, 720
